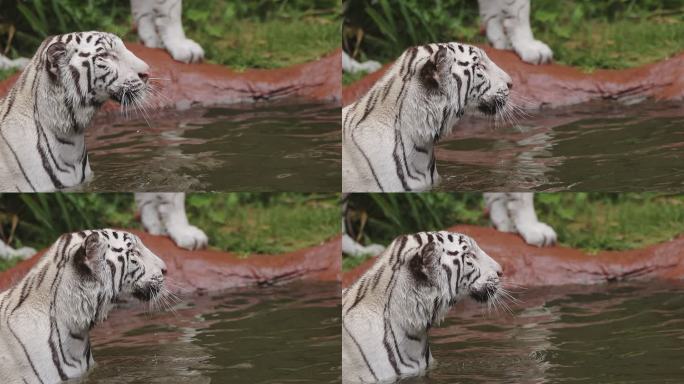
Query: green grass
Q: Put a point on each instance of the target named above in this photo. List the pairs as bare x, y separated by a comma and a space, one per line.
629, 222
272, 43
588, 34
349, 78
290, 223
589, 221
242, 223
7, 264
5, 73
254, 34
349, 263
617, 45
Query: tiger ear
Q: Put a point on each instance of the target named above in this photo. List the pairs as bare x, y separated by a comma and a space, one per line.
54, 56
432, 70
91, 253
424, 262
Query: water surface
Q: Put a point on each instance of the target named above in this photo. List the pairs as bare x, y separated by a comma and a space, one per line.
275, 146
288, 334
601, 146
606, 334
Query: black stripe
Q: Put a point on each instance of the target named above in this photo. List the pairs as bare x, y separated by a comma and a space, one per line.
363, 355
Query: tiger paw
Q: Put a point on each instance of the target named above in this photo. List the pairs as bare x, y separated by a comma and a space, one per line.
533, 51
24, 253
538, 234
185, 50
189, 237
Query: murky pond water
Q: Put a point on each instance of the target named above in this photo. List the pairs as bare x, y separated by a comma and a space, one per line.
607, 334
262, 147
288, 334
602, 146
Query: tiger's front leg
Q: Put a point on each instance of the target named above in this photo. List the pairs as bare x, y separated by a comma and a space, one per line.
508, 26
7, 63
159, 25
171, 211
7, 252
514, 212
144, 16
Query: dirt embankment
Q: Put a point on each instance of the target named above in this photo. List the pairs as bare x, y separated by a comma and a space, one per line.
183, 85
202, 271
555, 85
531, 266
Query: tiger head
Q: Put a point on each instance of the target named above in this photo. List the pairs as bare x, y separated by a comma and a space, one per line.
465, 76
455, 266
120, 263
94, 67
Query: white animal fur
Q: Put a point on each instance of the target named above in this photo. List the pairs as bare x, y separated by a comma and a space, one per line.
387, 313
46, 317
389, 134
163, 214
159, 25
44, 116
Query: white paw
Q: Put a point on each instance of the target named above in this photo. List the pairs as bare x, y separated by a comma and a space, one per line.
19, 63
370, 66
23, 253
534, 52
185, 50
154, 228
538, 234
374, 249
351, 248
190, 237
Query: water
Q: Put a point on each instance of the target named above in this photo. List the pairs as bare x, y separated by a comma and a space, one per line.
606, 334
602, 146
258, 336
264, 147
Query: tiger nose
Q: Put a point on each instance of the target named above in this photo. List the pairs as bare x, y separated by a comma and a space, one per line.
499, 273
164, 270
509, 84
144, 76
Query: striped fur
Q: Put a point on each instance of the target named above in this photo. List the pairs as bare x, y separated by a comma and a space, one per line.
44, 117
387, 313
46, 317
389, 134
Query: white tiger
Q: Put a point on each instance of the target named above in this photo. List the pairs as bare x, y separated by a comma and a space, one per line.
44, 117
507, 24
159, 25
161, 214
46, 317
389, 134
387, 313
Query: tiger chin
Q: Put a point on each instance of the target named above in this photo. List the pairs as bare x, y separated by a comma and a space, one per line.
45, 319
388, 312
46, 112
389, 134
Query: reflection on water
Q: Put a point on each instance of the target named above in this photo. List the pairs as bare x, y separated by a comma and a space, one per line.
607, 334
599, 146
270, 335
263, 147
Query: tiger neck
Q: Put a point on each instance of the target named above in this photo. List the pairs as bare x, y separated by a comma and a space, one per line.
74, 304
60, 112
422, 309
